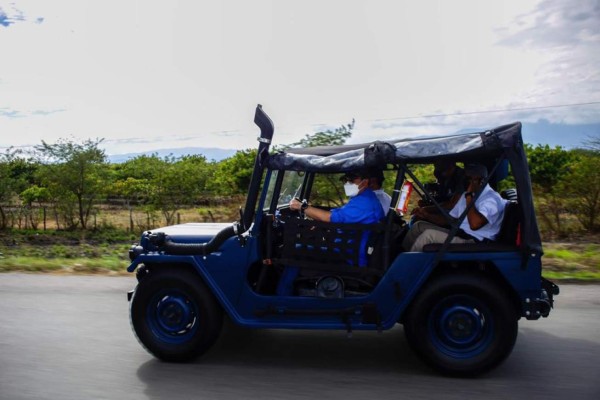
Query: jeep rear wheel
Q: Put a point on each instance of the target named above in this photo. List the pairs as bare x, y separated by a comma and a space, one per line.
462, 324
174, 315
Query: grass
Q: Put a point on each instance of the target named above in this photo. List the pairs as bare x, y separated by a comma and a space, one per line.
572, 261
65, 252
93, 251
105, 252
104, 265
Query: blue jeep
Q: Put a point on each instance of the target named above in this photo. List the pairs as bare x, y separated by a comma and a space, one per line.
459, 304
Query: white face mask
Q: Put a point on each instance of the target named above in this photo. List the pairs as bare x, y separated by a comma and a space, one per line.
351, 189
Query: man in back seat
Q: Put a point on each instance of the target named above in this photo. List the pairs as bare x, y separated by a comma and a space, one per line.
482, 223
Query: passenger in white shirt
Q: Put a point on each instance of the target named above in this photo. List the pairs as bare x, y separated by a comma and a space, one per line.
375, 184
482, 223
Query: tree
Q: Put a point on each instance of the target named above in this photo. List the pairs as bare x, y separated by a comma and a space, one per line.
34, 194
548, 168
179, 184
135, 183
74, 172
326, 187
143, 167
335, 137
232, 175
593, 144
7, 191
193, 174
163, 184
16, 174
131, 190
584, 183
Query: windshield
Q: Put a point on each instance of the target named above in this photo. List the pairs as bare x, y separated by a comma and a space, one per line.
290, 187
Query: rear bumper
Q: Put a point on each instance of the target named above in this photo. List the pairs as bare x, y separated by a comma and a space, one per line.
541, 306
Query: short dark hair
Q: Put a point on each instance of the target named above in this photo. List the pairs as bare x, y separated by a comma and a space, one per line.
377, 174
476, 170
352, 175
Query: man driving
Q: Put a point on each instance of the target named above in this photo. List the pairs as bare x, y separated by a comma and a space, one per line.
362, 208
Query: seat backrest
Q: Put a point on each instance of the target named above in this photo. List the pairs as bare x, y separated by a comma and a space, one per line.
509, 194
509, 230
377, 249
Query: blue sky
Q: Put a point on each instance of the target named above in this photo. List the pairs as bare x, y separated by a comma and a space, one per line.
163, 74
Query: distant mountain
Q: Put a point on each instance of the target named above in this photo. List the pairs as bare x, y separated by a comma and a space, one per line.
554, 134
209, 152
542, 131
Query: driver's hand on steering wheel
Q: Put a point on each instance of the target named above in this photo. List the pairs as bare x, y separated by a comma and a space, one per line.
295, 205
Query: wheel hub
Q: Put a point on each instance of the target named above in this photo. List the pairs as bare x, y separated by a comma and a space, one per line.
461, 325
174, 313
172, 316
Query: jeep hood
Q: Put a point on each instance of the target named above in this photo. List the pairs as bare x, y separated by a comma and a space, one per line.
192, 232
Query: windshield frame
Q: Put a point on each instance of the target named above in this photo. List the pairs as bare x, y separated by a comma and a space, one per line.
283, 186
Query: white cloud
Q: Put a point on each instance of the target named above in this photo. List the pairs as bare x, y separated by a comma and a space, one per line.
567, 34
157, 73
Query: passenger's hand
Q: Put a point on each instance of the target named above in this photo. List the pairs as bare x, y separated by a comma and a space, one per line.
474, 185
420, 212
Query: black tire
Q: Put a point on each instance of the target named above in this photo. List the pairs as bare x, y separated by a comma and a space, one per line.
462, 324
174, 315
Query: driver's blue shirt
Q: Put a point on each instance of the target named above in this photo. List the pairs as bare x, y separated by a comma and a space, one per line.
364, 208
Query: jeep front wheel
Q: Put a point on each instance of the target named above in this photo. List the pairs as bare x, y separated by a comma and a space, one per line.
174, 315
462, 324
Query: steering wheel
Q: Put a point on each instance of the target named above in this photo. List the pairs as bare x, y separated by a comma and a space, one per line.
304, 204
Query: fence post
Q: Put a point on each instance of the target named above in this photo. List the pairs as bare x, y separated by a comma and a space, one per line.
131, 220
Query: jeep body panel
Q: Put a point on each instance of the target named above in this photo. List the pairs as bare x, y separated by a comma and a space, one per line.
225, 273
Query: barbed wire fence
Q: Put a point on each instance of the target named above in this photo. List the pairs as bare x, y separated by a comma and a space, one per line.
114, 213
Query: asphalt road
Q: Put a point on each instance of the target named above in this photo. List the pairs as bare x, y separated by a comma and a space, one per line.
68, 337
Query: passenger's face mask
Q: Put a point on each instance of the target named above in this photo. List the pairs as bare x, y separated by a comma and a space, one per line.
351, 189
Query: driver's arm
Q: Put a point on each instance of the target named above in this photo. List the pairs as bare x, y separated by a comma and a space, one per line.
311, 212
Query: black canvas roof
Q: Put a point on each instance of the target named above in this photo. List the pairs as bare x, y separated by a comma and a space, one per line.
465, 147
